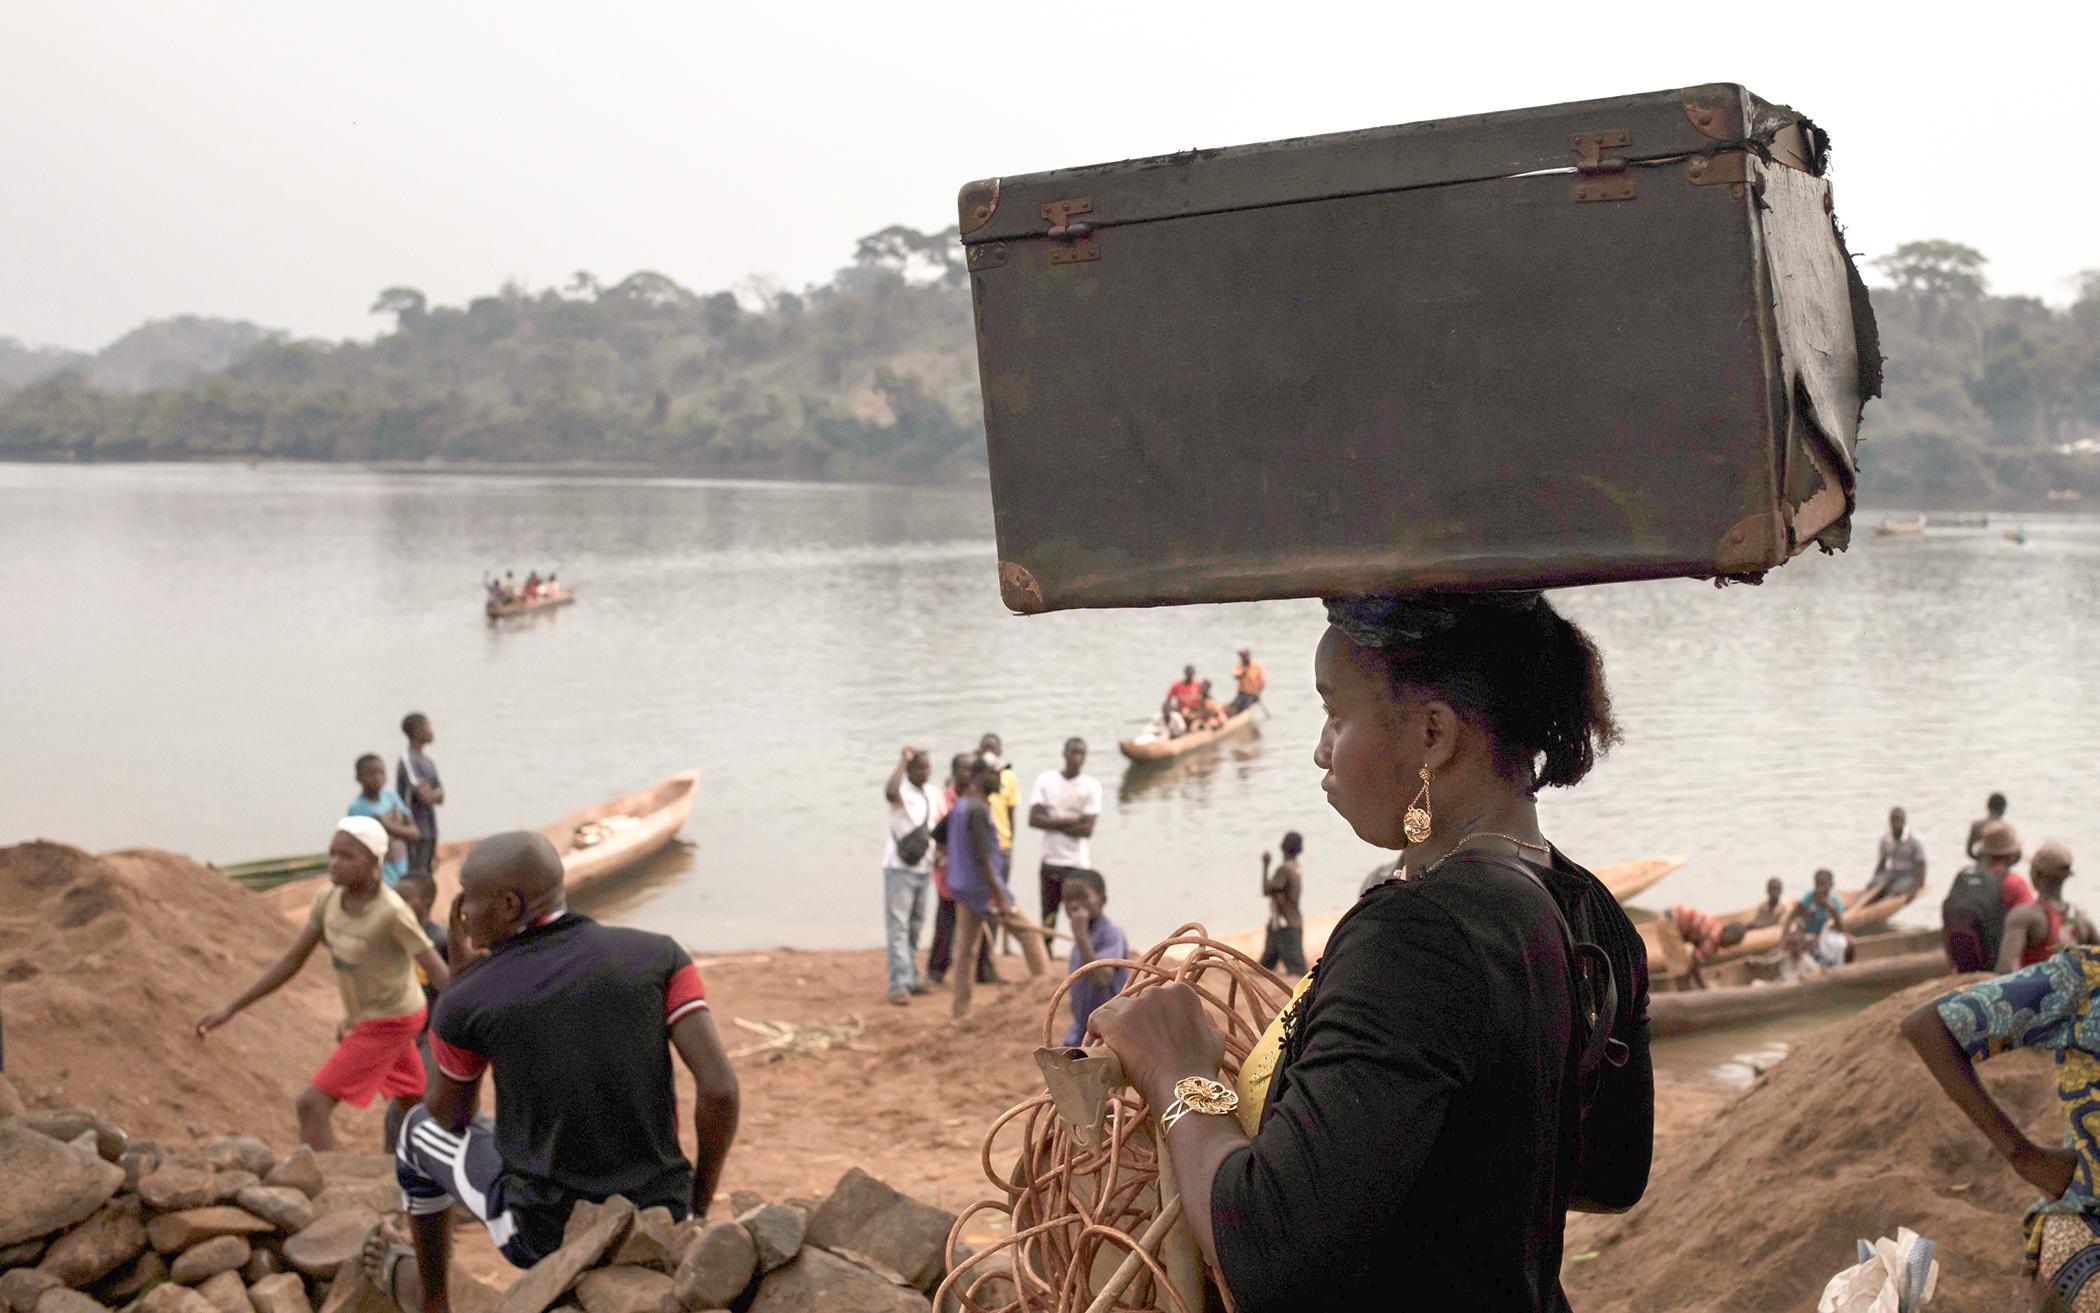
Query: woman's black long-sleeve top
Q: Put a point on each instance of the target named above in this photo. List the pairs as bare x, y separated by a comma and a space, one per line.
1421, 1142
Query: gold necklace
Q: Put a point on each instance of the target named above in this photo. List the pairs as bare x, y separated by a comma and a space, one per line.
1403, 872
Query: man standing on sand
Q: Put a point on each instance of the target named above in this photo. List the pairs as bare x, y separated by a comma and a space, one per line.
416, 780
977, 876
578, 1021
907, 866
376, 945
1284, 939
1064, 805
376, 801
942, 949
1003, 802
1252, 680
1900, 866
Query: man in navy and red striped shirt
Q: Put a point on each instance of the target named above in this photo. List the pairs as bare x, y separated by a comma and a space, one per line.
578, 1021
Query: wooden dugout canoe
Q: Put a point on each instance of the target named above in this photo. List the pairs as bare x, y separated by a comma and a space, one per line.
1666, 953
1882, 965
1624, 880
545, 601
658, 812
1147, 748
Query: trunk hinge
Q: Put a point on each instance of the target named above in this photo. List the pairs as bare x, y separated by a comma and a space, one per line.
1071, 243
1598, 178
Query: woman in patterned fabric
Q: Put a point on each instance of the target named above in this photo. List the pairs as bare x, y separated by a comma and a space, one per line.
2045, 1006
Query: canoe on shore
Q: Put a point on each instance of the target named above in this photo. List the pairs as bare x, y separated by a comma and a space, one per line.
1747, 991
1667, 953
1624, 880
1146, 747
269, 872
560, 596
622, 831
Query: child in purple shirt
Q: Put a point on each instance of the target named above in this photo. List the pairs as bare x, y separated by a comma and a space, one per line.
1095, 938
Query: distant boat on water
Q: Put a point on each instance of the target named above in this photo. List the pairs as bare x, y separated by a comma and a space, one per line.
559, 595
1900, 528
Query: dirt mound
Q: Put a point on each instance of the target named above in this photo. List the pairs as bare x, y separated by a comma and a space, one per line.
105, 964
1848, 1138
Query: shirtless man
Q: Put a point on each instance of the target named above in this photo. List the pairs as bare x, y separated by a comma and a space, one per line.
1284, 940
579, 1021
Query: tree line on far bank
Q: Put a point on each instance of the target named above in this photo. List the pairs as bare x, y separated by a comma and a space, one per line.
1989, 399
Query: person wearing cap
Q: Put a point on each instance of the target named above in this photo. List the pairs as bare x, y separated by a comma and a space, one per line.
376, 944
2034, 931
1252, 680
1974, 914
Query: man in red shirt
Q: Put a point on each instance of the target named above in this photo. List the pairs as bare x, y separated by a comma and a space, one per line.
1188, 694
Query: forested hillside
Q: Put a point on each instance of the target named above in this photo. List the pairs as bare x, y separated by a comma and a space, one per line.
1989, 400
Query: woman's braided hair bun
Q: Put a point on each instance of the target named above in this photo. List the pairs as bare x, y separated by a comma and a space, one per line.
1509, 661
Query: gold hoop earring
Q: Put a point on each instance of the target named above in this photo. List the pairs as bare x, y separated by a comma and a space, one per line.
1415, 824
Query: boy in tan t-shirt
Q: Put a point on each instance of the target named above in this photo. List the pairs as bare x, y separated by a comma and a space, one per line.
376, 945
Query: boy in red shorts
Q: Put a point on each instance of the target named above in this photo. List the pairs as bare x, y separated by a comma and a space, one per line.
376, 944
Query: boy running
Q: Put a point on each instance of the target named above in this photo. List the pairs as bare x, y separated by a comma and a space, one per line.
376, 945
375, 800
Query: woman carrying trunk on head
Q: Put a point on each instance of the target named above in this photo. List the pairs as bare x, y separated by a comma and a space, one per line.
1413, 1130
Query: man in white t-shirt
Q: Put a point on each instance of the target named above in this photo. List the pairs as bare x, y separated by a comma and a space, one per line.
1064, 806
907, 868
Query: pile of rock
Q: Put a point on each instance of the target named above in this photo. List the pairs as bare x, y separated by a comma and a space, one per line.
866, 1249
92, 1220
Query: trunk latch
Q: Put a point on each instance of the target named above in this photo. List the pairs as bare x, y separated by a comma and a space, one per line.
1598, 178
1070, 243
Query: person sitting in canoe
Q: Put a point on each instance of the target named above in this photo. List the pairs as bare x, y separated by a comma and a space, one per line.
1702, 934
1208, 714
532, 585
1821, 913
1773, 910
1169, 723
1187, 695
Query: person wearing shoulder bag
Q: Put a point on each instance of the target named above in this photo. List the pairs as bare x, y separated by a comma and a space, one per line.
907, 868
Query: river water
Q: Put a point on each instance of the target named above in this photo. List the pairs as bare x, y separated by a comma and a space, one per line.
192, 656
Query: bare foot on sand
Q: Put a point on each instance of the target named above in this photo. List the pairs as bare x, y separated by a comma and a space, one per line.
390, 1267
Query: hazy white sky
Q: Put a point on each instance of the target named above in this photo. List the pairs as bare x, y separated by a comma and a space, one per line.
282, 162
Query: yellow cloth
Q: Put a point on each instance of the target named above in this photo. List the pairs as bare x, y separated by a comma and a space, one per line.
1252, 1083
1002, 804
374, 950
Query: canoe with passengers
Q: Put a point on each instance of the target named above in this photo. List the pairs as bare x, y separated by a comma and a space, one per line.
560, 595
1159, 747
1737, 993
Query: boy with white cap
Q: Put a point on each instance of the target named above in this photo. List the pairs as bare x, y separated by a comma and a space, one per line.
375, 943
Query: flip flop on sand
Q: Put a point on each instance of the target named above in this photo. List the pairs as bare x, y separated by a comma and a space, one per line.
381, 1263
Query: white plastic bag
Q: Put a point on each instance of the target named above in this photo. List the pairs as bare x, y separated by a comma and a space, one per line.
1892, 1276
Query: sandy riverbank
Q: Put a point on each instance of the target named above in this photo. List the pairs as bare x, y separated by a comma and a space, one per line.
105, 961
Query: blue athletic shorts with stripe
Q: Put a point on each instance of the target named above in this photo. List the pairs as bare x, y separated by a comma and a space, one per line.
437, 1168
